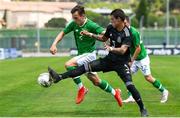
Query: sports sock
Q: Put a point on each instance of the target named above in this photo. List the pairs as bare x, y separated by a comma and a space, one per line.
136, 96
129, 93
106, 87
76, 80
158, 85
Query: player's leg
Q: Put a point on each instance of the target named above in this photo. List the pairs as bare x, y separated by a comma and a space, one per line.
81, 60
100, 83
123, 71
89, 57
134, 68
94, 66
105, 86
145, 68
71, 65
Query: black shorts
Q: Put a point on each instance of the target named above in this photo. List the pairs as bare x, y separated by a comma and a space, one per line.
106, 65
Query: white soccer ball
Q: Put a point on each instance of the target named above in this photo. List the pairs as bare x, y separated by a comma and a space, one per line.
44, 80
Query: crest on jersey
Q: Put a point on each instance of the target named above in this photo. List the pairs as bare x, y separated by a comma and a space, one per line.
119, 39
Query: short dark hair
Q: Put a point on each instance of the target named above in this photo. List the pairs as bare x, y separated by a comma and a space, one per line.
118, 13
79, 9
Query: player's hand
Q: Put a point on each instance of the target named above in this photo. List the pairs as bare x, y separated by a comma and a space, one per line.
130, 63
107, 47
86, 33
53, 49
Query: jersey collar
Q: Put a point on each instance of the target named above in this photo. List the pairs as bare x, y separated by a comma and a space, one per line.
84, 23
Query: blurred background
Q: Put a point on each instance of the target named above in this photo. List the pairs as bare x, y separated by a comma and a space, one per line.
28, 27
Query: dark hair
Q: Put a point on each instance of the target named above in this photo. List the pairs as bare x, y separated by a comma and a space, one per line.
118, 13
79, 9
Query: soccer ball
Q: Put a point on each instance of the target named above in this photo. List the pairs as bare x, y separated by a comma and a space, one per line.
44, 80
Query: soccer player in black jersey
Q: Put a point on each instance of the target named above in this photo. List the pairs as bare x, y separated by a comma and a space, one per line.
117, 59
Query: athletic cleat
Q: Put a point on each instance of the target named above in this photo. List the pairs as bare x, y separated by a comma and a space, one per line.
118, 98
144, 113
164, 96
81, 93
54, 75
129, 99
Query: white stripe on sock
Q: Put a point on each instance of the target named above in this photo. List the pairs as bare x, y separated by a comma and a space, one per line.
80, 85
106, 87
113, 92
160, 86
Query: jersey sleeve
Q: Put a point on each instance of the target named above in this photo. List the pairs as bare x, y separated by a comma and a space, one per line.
69, 27
107, 33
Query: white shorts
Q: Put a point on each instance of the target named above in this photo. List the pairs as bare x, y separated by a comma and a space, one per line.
143, 65
86, 58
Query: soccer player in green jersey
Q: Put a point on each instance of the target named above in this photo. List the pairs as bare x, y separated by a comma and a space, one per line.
140, 60
86, 52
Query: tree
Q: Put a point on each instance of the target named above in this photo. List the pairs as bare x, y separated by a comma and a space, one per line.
98, 18
174, 4
56, 22
142, 11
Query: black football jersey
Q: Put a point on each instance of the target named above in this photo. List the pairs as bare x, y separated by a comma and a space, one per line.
117, 39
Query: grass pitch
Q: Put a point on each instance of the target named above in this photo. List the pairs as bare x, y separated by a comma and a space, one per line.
20, 95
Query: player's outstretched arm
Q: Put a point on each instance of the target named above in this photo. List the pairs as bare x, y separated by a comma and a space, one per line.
53, 48
136, 53
99, 37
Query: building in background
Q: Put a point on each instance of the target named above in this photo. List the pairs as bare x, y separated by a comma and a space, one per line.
33, 14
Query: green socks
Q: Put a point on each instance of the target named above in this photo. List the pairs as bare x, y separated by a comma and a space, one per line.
158, 85
129, 93
76, 80
103, 85
106, 87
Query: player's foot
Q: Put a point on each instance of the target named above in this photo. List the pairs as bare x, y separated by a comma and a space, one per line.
129, 99
81, 94
118, 98
54, 75
164, 96
144, 113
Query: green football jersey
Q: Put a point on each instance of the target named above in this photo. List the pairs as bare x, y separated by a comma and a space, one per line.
85, 44
136, 40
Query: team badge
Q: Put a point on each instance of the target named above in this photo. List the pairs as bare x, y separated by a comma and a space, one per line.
119, 39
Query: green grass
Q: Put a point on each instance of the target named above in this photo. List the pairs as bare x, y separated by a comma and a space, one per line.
20, 95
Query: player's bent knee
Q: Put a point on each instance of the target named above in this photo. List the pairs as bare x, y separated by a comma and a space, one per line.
129, 83
67, 64
93, 66
96, 83
70, 63
126, 78
93, 77
149, 78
